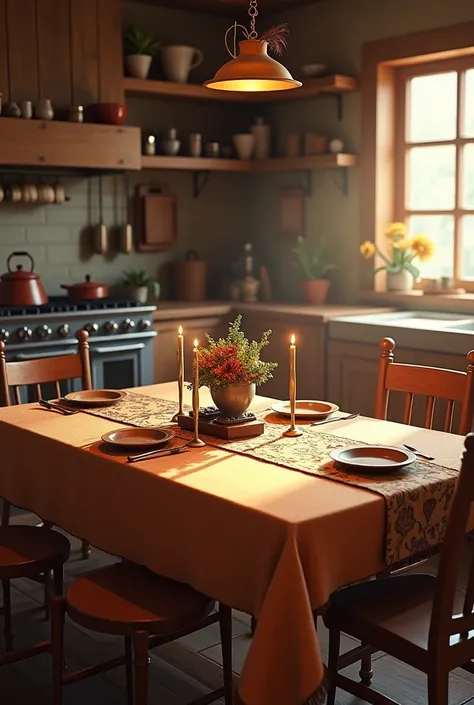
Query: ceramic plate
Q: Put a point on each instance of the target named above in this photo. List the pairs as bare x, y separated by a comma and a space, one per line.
306, 409
95, 397
373, 459
138, 437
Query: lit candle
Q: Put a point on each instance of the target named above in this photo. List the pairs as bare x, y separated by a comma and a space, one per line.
292, 431
196, 441
180, 373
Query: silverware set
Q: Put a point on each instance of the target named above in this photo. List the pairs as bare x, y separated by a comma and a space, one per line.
157, 453
339, 418
53, 406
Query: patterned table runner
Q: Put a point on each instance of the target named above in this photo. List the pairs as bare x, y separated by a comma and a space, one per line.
417, 498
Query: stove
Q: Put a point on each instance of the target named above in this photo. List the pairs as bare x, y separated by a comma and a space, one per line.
120, 336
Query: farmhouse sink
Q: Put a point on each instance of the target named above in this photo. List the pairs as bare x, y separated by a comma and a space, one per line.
427, 320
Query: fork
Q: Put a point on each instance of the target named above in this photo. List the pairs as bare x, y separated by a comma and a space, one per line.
157, 453
418, 453
339, 418
55, 407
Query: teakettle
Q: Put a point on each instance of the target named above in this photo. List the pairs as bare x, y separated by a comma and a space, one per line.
21, 288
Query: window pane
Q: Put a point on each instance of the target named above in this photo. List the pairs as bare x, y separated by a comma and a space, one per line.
440, 229
467, 247
468, 180
431, 178
469, 104
432, 107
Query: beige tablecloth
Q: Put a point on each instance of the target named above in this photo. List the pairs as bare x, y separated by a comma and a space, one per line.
261, 538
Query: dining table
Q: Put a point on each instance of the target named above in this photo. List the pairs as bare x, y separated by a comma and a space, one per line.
254, 534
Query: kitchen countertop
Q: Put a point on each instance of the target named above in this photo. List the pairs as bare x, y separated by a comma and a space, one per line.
173, 310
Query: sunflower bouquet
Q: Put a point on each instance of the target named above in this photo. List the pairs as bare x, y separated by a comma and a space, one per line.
404, 250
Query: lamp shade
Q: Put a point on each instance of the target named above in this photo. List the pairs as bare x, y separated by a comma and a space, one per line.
253, 70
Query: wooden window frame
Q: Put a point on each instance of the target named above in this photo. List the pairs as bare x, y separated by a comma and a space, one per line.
380, 61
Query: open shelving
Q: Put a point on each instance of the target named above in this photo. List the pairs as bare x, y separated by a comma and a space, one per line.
281, 164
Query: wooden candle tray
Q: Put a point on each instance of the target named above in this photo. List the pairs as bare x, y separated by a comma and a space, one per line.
248, 429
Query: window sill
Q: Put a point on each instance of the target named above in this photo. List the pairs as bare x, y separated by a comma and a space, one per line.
417, 299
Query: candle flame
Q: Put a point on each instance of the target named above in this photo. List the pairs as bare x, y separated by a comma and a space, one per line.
293, 339
196, 342
180, 330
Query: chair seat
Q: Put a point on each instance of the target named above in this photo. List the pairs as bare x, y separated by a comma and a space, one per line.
30, 550
125, 598
392, 615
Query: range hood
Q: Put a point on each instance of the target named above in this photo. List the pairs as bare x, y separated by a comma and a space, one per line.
68, 145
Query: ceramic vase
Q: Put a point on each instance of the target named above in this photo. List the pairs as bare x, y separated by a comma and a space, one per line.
178, 61
400, 281
262, 134
44, 110
138, 65
233, 400
244, 146
316, 291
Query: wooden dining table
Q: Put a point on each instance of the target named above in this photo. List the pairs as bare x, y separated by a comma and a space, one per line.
265, 539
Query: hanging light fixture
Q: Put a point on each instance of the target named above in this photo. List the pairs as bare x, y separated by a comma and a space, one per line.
252, 70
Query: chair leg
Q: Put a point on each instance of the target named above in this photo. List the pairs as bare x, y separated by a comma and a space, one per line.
129, 669
57, 637
140, 668
366, 673
333, 663
7, 615
253, 624
47, 594
85, 550
438, 687
6, 510
225, 624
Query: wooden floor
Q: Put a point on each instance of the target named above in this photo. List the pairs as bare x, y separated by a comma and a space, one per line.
180, 671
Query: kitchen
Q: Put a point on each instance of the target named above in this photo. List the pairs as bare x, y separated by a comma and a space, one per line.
77, 195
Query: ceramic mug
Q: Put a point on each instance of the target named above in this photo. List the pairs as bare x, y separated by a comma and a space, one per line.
244, 145
177, 62
15, 194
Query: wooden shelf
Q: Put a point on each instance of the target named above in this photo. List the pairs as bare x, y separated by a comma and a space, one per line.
317, 161
312, 87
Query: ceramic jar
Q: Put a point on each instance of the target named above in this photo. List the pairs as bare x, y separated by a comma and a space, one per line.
44, 110
178, 61
400, 281
262, 134
195, 145
244, 146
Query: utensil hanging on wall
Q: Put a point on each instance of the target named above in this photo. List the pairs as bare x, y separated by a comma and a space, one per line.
100, 234
126, 231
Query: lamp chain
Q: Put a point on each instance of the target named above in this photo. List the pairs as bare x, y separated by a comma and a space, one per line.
253, 12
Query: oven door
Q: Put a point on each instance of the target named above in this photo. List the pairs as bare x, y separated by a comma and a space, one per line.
119, 365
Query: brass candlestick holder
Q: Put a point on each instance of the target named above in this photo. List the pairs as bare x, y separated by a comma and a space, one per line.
292, 432
180, 374
196, 441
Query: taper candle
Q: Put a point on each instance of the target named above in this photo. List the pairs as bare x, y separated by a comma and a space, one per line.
180, 373
292, 431
196, 441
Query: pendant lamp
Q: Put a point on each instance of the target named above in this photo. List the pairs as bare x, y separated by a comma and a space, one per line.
252, 70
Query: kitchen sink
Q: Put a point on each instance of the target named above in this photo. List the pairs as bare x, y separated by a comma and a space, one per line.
421, 320
467, 326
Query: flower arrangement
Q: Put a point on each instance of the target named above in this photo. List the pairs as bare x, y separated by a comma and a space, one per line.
234, 361
405, 250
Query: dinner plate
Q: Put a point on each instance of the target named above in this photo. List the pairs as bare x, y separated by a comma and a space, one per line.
138, 437
95, 397
373, 459
306, 409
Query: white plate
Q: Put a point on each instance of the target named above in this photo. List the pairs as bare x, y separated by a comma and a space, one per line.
373, 459
306, 409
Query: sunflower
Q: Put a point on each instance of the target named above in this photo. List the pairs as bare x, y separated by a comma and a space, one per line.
396, 231
402, 245
423, 247
367, 249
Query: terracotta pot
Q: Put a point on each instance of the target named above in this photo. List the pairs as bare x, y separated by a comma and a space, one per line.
233, 401
138, 65
316, 291
20, 288
86, 290
400, 281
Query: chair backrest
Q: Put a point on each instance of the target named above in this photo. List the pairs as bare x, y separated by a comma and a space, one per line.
431, 382
449, 630
44, 370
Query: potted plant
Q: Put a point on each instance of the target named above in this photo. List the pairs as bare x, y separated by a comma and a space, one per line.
140, 48
315, 266
399, 264
139, 285
231, 367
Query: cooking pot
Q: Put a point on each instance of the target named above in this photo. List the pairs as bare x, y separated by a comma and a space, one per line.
86, 290
21, 288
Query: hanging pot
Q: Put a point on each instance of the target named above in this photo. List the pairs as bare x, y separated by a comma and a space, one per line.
20, 288
86, 290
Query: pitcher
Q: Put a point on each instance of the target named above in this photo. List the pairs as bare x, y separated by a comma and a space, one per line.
178, 61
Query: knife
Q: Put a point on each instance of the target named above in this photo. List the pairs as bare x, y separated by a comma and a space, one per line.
156, 454
339, 418
55, 407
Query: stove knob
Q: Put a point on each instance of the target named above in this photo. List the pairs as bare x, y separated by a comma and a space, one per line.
128, 325
144, 324
111, 327
43, 332
63, 330
24, 333
4, 335
91, 328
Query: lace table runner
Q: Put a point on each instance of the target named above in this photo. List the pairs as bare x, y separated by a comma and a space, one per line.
417, 498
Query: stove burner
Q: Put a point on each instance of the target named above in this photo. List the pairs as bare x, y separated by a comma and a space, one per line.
61, 304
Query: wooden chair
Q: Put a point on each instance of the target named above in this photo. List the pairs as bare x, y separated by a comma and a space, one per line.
148, 611
422, 620
27, 551
432, 382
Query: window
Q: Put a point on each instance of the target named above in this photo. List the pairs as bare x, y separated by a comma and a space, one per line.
434, 162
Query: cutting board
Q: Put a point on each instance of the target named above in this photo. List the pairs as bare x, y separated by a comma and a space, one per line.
156, 216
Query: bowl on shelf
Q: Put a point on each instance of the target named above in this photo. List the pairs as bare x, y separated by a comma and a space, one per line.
110, 113
313, 70
171, 147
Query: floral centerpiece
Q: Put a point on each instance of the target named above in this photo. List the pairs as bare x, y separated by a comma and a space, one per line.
231, 367
400, 262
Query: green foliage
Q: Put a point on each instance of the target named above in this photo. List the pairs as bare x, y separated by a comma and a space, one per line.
400, 260
315, 265
138, 277
136, 41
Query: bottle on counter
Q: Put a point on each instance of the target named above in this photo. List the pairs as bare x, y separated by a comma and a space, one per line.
249, 286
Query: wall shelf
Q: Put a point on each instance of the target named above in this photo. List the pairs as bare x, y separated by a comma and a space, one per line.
282, 164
